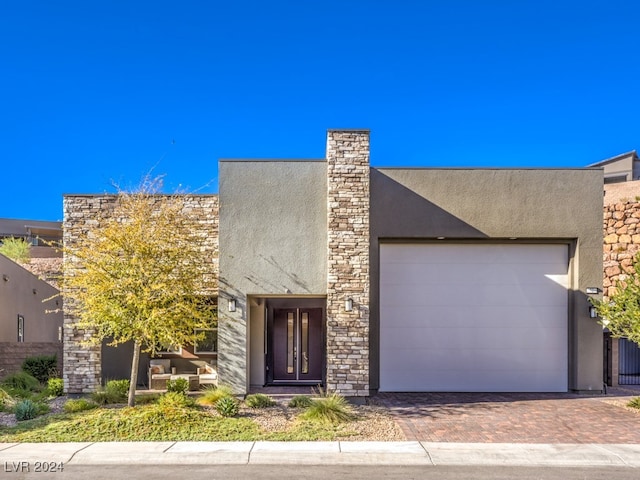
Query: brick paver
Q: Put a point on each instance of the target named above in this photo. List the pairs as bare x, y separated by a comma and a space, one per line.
515, 417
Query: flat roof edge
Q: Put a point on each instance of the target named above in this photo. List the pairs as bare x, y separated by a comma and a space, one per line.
354, 130
498, 169
155, 194
273, 160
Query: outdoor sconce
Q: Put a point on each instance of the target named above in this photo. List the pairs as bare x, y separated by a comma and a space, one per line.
593, 313
5, 277
35, 291
232, 304
348, 305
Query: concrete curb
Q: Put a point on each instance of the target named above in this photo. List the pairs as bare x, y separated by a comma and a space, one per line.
320, 453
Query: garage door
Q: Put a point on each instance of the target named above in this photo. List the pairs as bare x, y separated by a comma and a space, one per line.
473, 318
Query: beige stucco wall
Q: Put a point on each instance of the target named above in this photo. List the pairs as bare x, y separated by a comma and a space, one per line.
624, 166
256, 342
17, 297
273, 237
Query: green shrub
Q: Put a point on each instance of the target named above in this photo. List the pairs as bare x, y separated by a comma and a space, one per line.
25, 410
634, 403
79, 405
17, 249
175, 400
41, 367
259, 400
55, 387
102, 398
179, 385
147, 399
22, 381
331, 409
118, 388
115, 391
227, 407
300, 401
212, 394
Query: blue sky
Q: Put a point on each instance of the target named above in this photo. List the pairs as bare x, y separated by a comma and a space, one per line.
97, 92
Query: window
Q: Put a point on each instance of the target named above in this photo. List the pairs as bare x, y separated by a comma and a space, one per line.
208, 343
20, 328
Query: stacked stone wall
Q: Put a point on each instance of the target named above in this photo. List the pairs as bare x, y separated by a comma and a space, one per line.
84, 213
348, 262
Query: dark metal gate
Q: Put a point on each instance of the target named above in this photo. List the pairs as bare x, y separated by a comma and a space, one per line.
628, 362
607, 359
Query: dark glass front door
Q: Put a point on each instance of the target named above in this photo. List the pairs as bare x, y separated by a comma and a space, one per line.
297, 345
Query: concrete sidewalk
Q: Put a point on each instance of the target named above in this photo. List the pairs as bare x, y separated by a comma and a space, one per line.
319, 453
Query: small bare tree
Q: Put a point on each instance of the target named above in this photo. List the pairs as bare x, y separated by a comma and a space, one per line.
141, 274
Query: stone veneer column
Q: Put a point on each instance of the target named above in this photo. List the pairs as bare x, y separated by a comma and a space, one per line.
348, 262
82, 365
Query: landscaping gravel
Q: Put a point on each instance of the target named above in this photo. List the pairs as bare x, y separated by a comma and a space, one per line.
372, 424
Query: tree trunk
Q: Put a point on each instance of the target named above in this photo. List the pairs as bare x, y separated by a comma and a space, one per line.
134, 373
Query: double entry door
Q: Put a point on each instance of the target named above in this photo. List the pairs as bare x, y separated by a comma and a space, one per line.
296, 345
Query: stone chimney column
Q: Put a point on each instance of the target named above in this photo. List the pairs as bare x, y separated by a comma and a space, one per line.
348, 262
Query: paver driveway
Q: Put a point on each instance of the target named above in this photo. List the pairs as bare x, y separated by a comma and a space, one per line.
515, 417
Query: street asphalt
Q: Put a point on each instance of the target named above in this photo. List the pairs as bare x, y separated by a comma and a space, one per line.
29, 457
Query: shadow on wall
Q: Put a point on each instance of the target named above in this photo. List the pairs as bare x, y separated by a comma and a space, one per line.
116, 363
232, 337
397, 211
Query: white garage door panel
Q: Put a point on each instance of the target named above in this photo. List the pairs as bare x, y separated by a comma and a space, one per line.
416, 253
493, 316
457, 317
473, 338
533, 381
475, 361
398, 273
505, 294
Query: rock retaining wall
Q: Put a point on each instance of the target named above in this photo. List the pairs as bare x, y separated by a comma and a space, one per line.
621, 241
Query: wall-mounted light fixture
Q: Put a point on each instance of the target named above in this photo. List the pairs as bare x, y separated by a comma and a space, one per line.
232, 304
593, 312
348, 305
35, 291
5, 277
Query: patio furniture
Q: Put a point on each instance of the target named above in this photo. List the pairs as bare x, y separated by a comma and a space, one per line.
162, 370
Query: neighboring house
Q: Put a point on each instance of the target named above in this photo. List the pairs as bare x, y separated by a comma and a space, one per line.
393, 279
621, 168
46, 260
26, 328
40, 234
